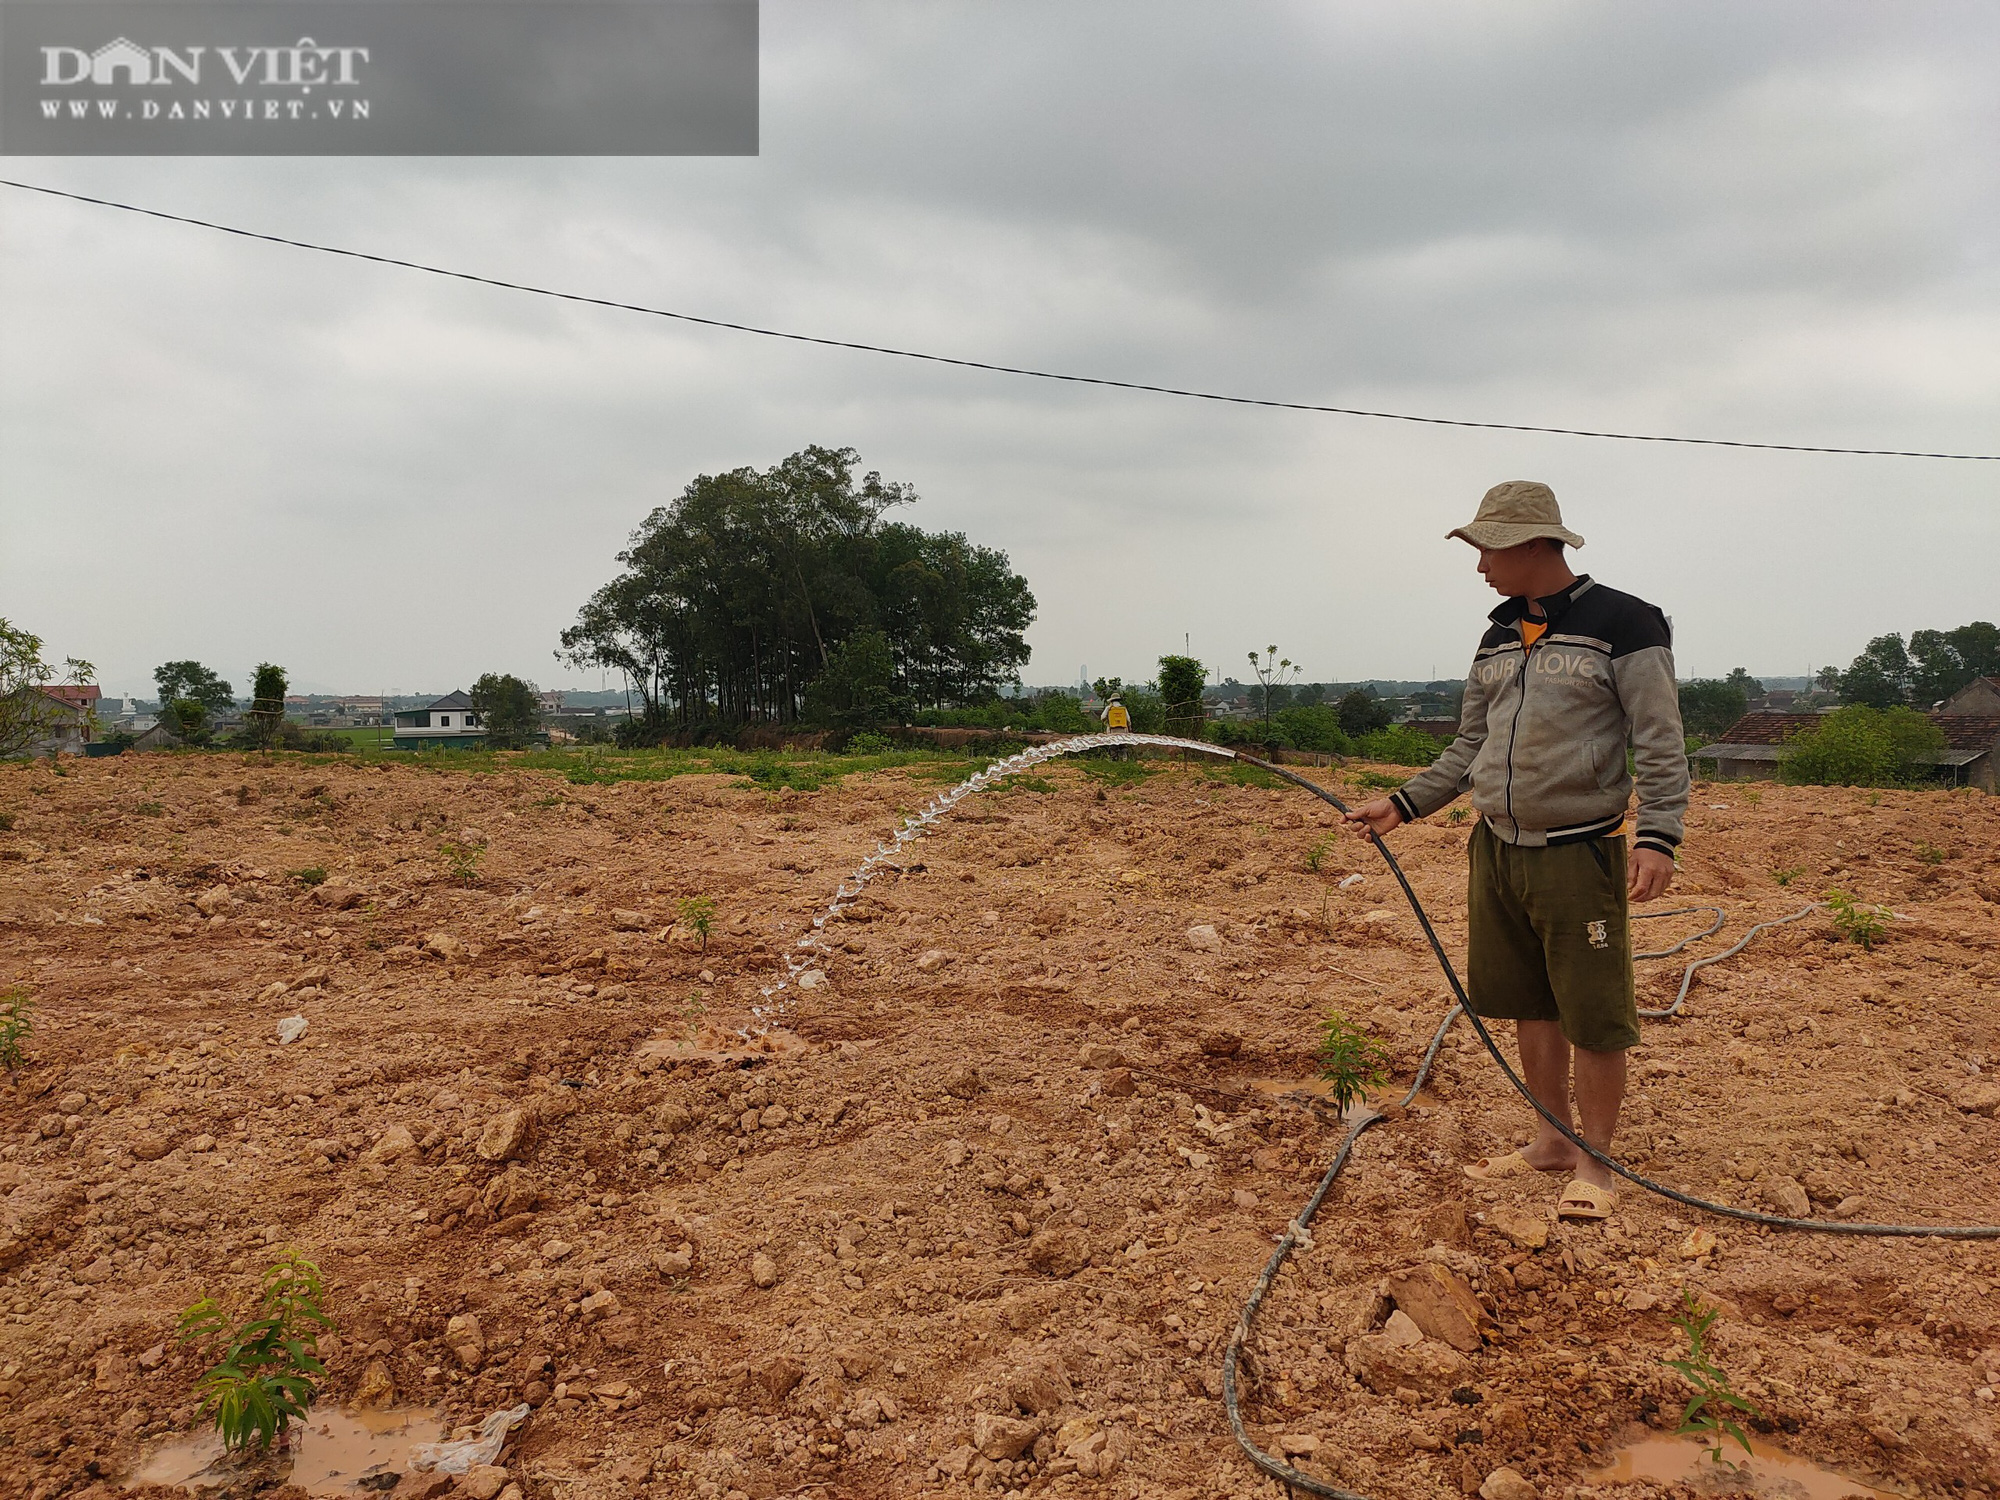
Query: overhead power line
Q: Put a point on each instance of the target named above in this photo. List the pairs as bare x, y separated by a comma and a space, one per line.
980, 364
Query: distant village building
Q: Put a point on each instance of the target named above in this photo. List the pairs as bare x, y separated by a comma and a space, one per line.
70, 714
451, 720
1749, 749
1979, 696
157, 737
1777, 701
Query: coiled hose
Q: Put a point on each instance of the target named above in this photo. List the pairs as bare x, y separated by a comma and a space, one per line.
1298, 1232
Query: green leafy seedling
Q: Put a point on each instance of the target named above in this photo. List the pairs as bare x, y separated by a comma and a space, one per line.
268, 1372
1349, 1060
1378, 781
310, 875
1707, 1416
151, 810
1456, 815
1859, 922
1316, 855
692, 1010
461, 861
1788, 874
698, 916
17, 1021
1930, 854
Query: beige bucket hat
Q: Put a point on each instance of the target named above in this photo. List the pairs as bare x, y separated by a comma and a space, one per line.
1515, 512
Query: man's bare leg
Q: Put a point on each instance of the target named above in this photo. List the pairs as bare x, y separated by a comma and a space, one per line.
1545, 1063
1600, 1090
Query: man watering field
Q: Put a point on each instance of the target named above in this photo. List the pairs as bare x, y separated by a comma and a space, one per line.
1569, 673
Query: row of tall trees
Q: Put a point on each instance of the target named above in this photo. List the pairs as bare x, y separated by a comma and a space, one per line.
1920, 673
787, 594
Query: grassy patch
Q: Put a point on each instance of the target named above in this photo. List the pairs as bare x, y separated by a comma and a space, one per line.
1235, 773
1027, 782
1118, 772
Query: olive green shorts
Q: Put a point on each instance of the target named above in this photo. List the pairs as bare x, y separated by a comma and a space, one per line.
1550, 938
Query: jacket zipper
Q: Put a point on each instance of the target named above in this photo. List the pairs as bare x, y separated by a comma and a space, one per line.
1513, 731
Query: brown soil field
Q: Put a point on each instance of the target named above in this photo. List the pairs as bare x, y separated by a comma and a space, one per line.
981, 1217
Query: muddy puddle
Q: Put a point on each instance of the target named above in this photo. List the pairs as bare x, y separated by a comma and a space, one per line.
722, 1040
331, 1453
1767, 1473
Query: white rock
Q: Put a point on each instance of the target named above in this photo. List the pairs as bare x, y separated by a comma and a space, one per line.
1507, 1484
1401, 1330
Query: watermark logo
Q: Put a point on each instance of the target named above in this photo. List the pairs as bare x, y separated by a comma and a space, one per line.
360, 77
205, 83
303, 64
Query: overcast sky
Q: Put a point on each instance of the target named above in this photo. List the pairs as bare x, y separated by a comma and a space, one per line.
1777, 222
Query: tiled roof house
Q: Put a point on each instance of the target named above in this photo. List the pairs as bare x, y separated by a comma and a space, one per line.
1749, 749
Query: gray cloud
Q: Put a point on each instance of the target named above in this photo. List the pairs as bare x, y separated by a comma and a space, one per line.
1774, 222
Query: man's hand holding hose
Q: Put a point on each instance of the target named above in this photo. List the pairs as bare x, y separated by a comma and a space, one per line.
1377, 817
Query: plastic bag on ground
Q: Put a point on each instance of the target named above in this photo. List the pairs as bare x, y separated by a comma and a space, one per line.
459, 1456
291, 1029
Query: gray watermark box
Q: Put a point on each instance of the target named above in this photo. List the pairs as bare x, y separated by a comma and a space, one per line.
378, 78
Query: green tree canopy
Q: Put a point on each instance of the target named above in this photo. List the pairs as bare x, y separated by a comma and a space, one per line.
1741, 679
1861, 746
1880, 675
1943, 661
858, 688
1929, 669
190, 679
508, 710
188, 718
1710, 705
267, 707
736, 596
1315, 726
1181, 679
1361, 712
1978, 648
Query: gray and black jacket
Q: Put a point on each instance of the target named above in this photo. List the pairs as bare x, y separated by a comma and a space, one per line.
1542, 736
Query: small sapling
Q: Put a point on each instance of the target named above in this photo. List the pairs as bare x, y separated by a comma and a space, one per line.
1707, 1415
17, 1021
269, 1369
461, 861
698, 916
1349, 1060
1857, 921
